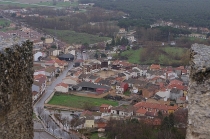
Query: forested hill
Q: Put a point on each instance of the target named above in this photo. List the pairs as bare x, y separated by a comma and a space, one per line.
193, 12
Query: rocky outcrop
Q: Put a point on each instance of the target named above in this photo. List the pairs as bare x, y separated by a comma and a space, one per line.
16, 78
199, 93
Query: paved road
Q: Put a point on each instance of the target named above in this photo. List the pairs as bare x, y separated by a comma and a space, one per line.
50, 88
57, 132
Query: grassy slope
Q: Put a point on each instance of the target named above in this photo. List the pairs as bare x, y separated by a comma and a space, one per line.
78, 101
74, 37
167, 57
133, 55
4, 22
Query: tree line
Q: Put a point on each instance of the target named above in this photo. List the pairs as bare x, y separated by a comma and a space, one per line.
94, 21
135, 129
159, 33
193, 12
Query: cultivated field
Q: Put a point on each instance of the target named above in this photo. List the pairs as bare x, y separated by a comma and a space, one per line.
78, 101
72, 37
35, 3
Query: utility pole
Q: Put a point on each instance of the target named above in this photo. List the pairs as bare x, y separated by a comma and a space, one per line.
169, 36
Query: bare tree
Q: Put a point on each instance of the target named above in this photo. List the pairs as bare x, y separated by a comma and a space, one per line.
39, 110
73, 122
47, 120
64, 122
53, 126
87, 106
69, 123
59, 115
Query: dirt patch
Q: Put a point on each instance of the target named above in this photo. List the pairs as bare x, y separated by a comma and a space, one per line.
91, 95
58, 107
106, 74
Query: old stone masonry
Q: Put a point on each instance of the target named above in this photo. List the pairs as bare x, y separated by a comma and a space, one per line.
199, 93
16, 78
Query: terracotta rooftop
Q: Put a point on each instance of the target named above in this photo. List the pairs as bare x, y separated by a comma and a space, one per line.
105, 105
62, 84
154, 106
154, 66
141, 111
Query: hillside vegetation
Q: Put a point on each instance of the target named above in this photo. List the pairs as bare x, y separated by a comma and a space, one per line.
193, 12
163, 55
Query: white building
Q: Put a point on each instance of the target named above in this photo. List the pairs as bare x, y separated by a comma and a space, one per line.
125, 111
37, 55
62, 87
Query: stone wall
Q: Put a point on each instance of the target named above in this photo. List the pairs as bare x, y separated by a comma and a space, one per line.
199, 93
16, 78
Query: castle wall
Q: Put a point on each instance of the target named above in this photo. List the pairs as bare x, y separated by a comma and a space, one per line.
199, 93
16, 78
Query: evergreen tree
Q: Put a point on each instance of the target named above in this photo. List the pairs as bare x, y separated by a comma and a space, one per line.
113, 42
96, 55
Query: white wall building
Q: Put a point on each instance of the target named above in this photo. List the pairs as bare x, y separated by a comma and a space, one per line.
62, 87
37, 55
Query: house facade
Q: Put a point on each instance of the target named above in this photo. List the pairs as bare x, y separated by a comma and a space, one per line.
104, 108
121, 87
62, 87
125, 111
89, 122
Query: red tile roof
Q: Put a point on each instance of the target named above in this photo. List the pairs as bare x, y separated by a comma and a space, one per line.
184, 71
141, 111
155, 67
50, 61
60, 62
182, 98
86, 113
180, 67
123, 84
34, 93
172, 108
122, 63
39, 76
104, 105
176, 82
96, 81
154, 106
180, 87
62, 84
120, 79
